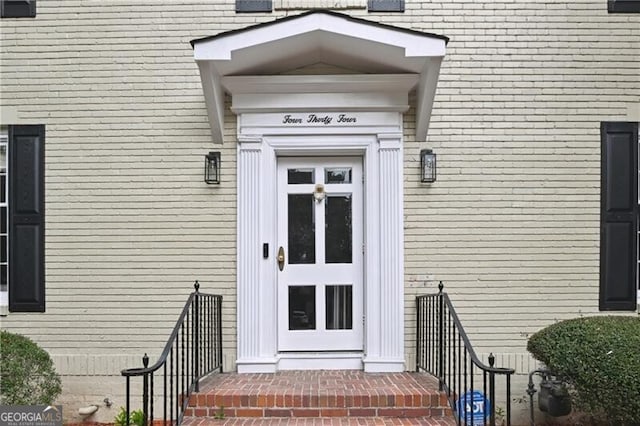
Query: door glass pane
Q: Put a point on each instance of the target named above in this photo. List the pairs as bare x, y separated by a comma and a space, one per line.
302, 231
338, 307
4, 238
3, 185
302, 307
3, 173
337, 175
338, 229
295, 176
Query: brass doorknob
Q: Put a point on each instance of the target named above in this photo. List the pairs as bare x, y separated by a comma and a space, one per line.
281, 258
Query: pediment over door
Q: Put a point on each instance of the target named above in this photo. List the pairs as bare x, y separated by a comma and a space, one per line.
325, 44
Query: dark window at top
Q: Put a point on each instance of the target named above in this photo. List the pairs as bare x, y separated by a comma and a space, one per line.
624, 6
253, 6
386, 5
18, 8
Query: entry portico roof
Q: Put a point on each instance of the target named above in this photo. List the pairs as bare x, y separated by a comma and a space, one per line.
318, 37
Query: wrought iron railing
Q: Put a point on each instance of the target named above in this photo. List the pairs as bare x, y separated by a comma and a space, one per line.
444, 350
194, 350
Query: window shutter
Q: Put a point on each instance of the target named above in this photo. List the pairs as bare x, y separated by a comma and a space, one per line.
26, 218
18, 8
624, 6
386, 5
249, 6
619, 216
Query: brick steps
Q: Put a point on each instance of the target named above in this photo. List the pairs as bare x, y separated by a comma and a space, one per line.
318, 412
319, 398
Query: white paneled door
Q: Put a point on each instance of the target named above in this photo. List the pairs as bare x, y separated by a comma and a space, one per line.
320, 254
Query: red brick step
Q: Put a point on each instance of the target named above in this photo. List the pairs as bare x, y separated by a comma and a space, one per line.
319, 394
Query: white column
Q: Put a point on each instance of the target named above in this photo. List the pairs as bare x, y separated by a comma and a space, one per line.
386, 314
249, 257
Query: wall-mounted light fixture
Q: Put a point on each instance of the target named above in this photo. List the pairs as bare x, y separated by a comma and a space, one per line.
427, 165
212, 167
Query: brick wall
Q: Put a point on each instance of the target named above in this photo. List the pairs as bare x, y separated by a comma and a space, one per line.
511, 226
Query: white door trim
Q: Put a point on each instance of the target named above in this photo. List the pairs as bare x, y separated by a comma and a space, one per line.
384, 286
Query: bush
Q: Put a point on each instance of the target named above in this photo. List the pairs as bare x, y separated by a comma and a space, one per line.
599, 357
27, 375
136, 418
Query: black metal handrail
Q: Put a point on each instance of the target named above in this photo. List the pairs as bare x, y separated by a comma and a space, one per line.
444, 350
194, 350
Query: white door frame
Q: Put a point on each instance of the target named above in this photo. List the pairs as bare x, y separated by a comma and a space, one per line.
383, 236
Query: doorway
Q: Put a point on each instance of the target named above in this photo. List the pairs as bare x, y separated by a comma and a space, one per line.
320, 285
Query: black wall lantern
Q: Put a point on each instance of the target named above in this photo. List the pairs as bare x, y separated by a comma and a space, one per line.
427, 166
212, 167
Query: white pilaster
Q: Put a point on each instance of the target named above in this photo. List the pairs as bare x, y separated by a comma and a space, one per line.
386, 311
250, 202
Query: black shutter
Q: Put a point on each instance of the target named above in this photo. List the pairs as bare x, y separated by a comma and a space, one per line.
624, 6
385, 5
252, 6
18, 8
26, 218
619, 216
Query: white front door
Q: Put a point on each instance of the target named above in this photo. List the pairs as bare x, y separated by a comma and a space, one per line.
320, 254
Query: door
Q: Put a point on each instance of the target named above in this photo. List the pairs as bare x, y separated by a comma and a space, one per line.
320, 255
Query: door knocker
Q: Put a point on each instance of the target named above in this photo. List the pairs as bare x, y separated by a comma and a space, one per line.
318, 193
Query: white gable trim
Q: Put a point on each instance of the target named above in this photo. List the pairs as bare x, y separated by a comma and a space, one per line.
373, 49
415, 45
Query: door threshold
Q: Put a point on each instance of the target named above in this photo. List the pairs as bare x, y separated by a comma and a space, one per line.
320, 361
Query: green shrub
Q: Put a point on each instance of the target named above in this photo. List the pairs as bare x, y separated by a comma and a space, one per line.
599, 357
136, 418
27, 375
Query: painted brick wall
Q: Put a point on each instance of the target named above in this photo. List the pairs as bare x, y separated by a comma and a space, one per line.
130, 223
511, 226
